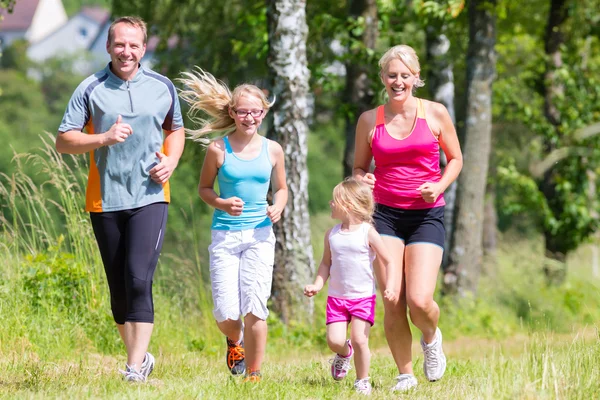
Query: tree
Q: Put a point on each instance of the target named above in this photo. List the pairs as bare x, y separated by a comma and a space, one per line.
294, 265
226, 38
553, 88
466, 252
437, 18
15, 56
358, 93
547, 177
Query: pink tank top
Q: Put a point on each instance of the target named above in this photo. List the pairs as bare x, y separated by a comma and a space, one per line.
401, 166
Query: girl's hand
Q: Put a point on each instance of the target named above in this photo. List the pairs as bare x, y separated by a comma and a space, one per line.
430, 191
234, 206
311, 290
274, 213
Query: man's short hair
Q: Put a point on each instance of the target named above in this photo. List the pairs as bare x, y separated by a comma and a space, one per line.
133, 21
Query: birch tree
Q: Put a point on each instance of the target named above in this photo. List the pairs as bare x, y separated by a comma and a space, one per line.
294, 265
466, 252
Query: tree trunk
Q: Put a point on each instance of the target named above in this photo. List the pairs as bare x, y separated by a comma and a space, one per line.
294, 265
441, 84
490, 223
466, 252
555, 263
358, 93
555, 266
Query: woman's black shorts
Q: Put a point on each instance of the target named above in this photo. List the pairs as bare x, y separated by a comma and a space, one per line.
411, 226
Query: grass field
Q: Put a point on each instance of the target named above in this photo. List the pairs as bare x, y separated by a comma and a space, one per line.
522, 367
539, 366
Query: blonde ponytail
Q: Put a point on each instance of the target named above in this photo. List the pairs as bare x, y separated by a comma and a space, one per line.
205, 94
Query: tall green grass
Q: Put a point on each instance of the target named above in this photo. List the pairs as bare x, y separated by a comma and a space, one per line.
53, 295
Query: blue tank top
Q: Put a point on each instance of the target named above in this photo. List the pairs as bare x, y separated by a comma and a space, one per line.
249, 180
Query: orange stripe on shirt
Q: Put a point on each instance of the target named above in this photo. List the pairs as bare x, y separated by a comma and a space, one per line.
93, 196
166, 185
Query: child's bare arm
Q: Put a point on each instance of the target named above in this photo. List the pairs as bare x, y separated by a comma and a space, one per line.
323, 272
390, 292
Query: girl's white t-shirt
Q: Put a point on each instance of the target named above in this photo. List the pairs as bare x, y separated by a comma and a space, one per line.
351, 272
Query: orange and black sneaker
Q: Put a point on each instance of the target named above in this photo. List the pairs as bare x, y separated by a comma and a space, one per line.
236, 360
253, 377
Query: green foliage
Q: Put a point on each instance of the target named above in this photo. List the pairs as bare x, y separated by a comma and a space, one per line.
568, 212
8, 5
325, 149
438, 11
55, 281
24, 113
74, 6
513, 295
15, 56
236, 51
520, 195
57, 83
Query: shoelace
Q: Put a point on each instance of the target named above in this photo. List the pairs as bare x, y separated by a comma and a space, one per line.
236, 353
431, 356
129, 371
341, 363
404, 381
363, 384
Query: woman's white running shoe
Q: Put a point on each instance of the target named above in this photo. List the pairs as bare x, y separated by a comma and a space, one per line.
434, 364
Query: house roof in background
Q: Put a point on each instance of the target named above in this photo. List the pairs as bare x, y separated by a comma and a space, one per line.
21, 17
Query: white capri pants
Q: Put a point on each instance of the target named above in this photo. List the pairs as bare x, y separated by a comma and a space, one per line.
241, 272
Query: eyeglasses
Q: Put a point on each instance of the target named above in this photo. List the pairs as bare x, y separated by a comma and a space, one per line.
244, 113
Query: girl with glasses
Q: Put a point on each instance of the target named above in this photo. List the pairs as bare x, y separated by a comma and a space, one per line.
242, 249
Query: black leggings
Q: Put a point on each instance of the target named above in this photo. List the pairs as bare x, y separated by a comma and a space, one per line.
130, 242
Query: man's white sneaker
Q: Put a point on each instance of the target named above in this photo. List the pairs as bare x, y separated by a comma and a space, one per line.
363, 386
434, 363
147, 365
132, 375
405, 383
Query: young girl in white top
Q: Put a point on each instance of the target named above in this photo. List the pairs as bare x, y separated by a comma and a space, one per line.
349, 251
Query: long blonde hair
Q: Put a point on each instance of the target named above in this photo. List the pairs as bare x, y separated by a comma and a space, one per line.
356, 198
205, 94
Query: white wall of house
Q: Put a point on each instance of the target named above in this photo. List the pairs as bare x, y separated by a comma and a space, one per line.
49, 16
73, 37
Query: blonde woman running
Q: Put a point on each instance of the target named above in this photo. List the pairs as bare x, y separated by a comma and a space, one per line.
242, 250
403, 137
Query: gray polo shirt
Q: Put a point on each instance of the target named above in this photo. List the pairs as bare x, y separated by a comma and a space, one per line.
119, 176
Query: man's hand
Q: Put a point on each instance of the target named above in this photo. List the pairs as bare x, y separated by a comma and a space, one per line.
117, 133
164, 169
